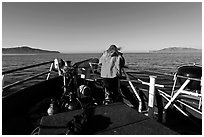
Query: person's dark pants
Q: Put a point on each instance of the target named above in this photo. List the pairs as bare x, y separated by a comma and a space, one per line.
111, 86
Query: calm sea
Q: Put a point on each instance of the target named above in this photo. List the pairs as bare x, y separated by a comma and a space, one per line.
159, 62
149, 61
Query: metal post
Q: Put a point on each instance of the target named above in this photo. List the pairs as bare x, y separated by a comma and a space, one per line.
137, 95
175, 80
134, 90
2, 80
151, 96
177, 93
48, 75
64, 82
200, 100
160, 105
90, 64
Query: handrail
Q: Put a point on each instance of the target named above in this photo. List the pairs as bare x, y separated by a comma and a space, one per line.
22, 81
139, 81
26, 79
166, 74
170, 99
195, 79
26, 67
35, 76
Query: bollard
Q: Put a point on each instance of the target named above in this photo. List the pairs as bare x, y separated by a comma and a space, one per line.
151, 96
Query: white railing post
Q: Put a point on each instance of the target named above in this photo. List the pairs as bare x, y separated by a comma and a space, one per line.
151, 96
200, 100
137, 95
2, 80
48, 75
175, 80
134, 90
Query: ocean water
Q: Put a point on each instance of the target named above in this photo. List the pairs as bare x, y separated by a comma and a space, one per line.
158, 62
142, 61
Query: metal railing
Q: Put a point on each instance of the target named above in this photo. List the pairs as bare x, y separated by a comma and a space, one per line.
26, 79
170, 99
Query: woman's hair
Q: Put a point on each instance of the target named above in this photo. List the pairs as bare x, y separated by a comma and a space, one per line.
112, 48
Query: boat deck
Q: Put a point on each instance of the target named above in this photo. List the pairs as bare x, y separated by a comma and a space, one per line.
114, 119
32, 103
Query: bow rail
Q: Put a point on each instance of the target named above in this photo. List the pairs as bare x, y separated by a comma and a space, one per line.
7, 87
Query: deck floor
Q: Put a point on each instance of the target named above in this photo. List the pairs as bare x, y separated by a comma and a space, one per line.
116, 118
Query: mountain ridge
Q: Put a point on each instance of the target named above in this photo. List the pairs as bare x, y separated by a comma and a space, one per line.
176, 50
25, 50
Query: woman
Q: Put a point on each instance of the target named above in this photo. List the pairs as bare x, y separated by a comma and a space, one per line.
111, 62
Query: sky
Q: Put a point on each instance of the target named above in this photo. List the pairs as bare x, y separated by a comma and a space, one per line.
86, 27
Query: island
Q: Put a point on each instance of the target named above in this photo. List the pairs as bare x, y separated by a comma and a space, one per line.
177, 50
25, 50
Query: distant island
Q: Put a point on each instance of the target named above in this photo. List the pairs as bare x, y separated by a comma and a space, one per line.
25, 50
177, 50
